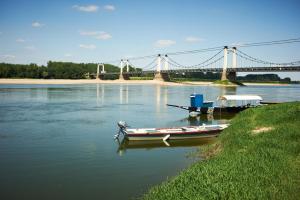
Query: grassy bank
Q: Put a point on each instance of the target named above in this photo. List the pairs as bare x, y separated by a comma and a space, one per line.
257, 157
227, 83
191, 79
141, 78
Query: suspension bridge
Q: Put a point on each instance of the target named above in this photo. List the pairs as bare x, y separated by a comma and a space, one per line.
225, 60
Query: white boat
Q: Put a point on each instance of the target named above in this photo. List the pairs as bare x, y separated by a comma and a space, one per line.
174, 133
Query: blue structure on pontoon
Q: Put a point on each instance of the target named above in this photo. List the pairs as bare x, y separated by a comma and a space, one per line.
198, 102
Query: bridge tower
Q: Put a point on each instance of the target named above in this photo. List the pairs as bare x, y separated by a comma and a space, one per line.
121, 70
98, 70
161, 76
103, 69
224, 72
100, 74
157, 75
232, 74
234, 58
166, 62
122, 75
127, 66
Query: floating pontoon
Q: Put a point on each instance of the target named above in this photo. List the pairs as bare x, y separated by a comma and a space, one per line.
225, 104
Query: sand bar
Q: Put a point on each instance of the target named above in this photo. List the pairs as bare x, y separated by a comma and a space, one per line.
136, 82
82, 81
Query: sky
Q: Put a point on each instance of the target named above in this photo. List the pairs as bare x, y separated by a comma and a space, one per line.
36, 31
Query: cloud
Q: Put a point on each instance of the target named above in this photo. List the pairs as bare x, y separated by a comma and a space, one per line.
100, 35
109, 7
87, 46
37, 24
103, 36
164, 43
86, 8
192, 39
7, 56
20, 40
31, 48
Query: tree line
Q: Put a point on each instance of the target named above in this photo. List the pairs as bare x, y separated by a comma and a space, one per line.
263, 78
212, 76
54, 70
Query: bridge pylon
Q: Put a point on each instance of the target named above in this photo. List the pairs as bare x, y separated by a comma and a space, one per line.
127, 66
100, 74
98, 70
121, 70
158, 74
232, 74
166, 62
123, 76
224, 72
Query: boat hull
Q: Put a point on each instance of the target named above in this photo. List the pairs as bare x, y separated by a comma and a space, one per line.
223, 109
173, 136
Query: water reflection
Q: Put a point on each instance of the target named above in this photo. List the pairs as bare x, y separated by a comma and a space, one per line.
100, 94
161, 93
208, 119
158, 98
228, 90
165, 97
121, 94
125, 144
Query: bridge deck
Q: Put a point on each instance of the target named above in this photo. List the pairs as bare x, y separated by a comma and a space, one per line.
239, 69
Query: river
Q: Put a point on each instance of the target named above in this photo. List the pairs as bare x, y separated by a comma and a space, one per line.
56, 141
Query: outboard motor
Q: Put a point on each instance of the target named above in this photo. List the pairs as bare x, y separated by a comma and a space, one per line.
122, 125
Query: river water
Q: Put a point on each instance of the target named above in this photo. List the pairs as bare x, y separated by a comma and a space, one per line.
56, 141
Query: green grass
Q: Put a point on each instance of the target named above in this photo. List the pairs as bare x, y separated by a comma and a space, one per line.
244, 165
141, 78
271, 82
190, 79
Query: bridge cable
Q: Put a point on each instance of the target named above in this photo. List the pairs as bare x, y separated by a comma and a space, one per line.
248, 57
275, 42
193, 66
203, 66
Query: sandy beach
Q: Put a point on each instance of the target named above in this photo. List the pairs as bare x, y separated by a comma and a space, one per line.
97, 81
83, 81
267, 84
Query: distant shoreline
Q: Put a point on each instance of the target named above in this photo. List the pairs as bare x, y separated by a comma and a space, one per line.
94, 81
82, 81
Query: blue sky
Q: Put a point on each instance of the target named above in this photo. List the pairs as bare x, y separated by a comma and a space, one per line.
36, 31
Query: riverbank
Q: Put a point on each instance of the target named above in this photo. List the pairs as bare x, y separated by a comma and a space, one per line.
82, 81
244, 83
257, 157
94, 81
